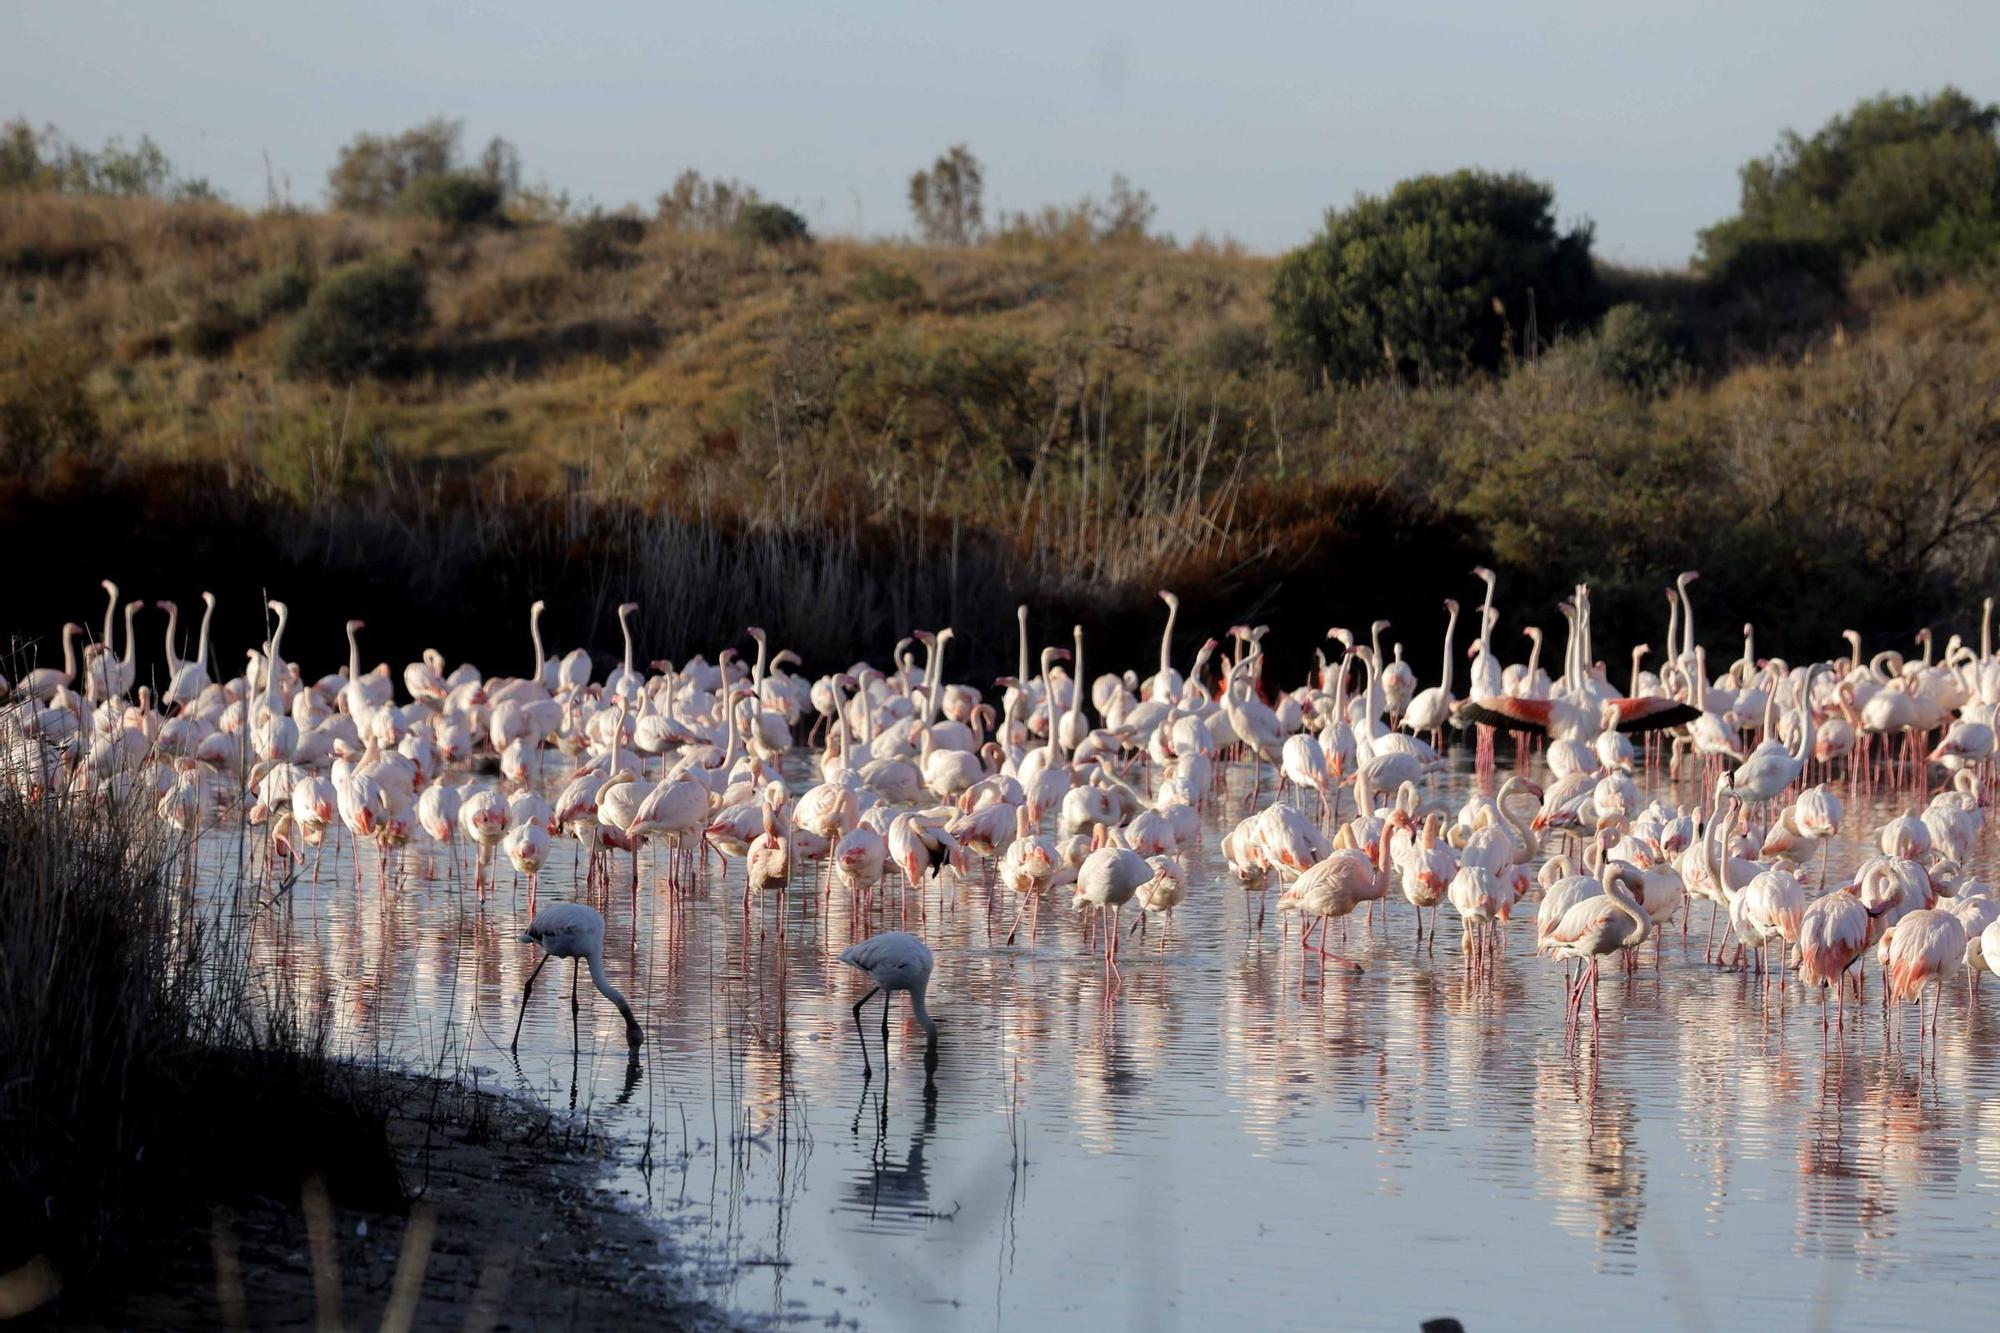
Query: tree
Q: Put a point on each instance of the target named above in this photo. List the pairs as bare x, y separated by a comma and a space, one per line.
455, 198
1126, 215
46, 160
770, 224
374, 169
697, 203
946, 199
1445, 274
1909, 176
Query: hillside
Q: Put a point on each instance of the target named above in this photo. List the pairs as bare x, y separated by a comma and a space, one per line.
1101, 418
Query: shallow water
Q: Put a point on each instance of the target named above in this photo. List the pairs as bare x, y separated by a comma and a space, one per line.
1228, 1139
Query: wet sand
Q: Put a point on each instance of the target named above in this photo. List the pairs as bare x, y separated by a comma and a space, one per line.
522, 1235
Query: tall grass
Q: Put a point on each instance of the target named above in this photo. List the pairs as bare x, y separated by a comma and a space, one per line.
145, 1073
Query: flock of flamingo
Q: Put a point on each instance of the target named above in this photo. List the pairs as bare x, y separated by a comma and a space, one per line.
1064, 786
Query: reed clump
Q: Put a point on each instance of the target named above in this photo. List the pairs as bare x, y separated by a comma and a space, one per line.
146, 1073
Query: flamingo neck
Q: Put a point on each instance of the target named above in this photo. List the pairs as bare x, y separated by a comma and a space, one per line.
1614, 889
1450, 633
1805, 747
595, 958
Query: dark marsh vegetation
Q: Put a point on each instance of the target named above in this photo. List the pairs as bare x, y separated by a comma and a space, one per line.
149, 1074
459, 413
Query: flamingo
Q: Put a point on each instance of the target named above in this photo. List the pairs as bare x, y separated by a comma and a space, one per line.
1833, 935
1109, 878
1592, 928
574, 931
1432, 708
42, 683
190, 678
1925, 949
895, 961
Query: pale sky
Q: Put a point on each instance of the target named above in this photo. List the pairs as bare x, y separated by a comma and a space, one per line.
1244, 119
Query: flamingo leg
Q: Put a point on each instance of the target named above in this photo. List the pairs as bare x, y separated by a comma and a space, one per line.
525, 992
867, 1071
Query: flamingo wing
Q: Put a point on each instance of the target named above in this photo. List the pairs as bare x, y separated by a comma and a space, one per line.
1651, 714
1508, 713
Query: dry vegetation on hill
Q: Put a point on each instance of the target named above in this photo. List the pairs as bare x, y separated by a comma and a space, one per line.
1094, 411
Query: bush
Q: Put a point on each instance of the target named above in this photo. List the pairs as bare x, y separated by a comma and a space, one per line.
374, 169
455, 198
360, 321
1439, 277
211, 330
698, 204
770, 224
601, 241
1634, 348
886, 286
279, 292
1235, 349
1894, 175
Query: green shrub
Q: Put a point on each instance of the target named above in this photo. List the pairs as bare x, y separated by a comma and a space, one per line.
601, 240
212, 329
1235, 349
1634, 347
360, 321
455, 198
1894, 175
1439, 277
1757, 264
883, 285
770, 224
279, 292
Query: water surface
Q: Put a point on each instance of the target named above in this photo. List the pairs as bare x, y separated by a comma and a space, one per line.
1227, 1140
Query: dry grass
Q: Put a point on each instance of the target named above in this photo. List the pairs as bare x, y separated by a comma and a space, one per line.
135, 1038
1102, 418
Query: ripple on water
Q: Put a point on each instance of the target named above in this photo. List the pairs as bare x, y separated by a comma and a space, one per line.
1229, 1138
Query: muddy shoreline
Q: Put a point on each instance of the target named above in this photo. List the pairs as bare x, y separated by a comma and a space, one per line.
506, 1208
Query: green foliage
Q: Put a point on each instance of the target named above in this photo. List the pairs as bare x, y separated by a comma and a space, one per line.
1896, 175
699, 204
1438, 278
946, 200
373, 170
377, 172
360, 321
1236, 349
770, 224
976, 391
279, 291
601, 240
1124, 215
455, 198
46, 161
884, 285
1634, 347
